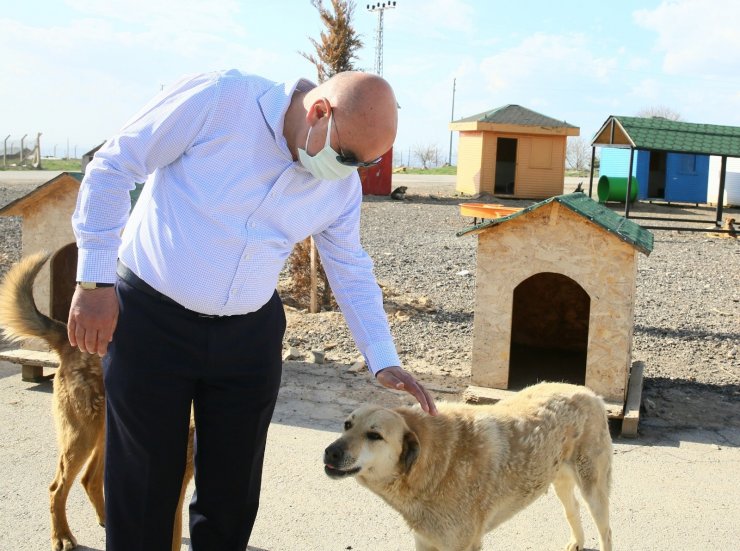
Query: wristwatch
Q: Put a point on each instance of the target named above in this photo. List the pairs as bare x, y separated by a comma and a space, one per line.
89, 285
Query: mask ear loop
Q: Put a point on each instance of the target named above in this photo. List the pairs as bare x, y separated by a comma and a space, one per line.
328, 133
305, 147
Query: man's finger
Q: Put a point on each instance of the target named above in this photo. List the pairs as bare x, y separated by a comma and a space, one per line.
71, 328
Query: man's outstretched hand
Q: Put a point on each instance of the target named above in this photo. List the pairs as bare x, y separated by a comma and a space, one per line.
397, 378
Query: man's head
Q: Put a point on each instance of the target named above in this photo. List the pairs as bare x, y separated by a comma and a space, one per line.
363, 112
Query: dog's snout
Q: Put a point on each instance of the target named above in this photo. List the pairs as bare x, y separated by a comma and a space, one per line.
333, 454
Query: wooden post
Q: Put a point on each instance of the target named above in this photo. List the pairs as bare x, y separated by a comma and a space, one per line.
721, 192
314, 306
629, 184
591, 176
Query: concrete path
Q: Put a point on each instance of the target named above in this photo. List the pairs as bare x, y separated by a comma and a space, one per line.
672, 490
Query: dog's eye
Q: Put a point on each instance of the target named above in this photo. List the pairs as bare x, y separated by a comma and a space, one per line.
347, 425
374, 436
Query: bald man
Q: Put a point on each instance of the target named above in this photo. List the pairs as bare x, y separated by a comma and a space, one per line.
178, 295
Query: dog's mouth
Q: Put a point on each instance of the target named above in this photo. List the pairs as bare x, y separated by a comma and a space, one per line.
334, 472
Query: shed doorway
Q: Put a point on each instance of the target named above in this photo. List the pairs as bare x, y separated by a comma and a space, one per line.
63, 273
505, 166
657, 175
549, 331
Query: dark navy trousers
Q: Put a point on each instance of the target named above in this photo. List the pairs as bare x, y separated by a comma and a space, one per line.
162, 359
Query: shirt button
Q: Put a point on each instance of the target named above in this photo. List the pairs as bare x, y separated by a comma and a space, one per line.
253, 224
233, 292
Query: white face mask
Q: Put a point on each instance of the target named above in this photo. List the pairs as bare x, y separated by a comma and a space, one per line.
324, 165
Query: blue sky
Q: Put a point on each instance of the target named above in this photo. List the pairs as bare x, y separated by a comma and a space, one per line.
78, 69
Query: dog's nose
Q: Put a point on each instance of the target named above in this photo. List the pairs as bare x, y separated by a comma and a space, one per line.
333, 454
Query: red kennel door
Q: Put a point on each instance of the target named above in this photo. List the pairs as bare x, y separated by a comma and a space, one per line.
376, 180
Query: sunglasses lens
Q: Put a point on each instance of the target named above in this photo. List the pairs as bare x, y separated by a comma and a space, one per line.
359, 164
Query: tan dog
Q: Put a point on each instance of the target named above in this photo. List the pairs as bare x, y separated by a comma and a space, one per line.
457, 476
78, 403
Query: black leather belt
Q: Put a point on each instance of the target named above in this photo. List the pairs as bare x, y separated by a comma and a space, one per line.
125, 273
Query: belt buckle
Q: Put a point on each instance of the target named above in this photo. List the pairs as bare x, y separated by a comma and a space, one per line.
209, 316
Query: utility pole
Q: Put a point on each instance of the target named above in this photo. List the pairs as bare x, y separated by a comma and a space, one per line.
452, 118
380, 8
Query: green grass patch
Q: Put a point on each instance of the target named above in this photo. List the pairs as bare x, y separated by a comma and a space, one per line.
442, 170
66, 165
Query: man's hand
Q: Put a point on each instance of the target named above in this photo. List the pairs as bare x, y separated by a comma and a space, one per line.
398, 379
92, 319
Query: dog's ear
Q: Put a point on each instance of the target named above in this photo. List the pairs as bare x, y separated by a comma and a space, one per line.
410, 451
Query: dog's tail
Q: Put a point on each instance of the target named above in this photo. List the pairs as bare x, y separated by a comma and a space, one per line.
19, 317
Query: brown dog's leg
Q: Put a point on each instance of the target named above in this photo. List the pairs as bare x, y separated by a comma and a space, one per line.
70, 463
92, 478
177, 526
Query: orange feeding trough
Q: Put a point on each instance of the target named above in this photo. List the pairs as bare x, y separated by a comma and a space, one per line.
486, 210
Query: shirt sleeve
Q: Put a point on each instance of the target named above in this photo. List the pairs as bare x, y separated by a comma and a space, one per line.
156, 136
350, 272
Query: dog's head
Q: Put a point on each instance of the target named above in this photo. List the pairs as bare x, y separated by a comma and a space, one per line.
376, 445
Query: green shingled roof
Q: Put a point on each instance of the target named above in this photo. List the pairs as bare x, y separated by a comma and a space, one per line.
580, 203
516, 114
657, 133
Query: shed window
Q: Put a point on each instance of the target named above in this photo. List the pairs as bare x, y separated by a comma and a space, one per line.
541, 153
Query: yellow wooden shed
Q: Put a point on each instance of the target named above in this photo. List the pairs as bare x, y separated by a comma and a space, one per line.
512, 151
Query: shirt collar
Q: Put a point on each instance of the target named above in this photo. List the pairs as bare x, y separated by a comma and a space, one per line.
275, 102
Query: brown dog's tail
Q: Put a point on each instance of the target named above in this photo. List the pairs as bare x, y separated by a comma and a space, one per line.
19, 317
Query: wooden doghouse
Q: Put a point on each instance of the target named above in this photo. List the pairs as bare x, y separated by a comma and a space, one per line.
555, 296
45, 214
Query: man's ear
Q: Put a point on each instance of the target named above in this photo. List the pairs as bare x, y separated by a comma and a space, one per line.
410, 451
319, 109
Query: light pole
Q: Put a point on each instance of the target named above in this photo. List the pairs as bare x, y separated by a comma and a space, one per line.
380, 8
452, 118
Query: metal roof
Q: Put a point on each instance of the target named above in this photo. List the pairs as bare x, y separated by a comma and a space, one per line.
659, 134
516, 114
621, 227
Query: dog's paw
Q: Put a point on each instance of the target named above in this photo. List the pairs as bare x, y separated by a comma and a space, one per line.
66, 542
574, 546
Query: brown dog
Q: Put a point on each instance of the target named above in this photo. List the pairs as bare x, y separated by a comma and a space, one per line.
456, 476
78, 403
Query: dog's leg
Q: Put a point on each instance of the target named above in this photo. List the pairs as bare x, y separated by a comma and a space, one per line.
177, 526
422, 544
597, 499
71, 461
92, 478
564, 484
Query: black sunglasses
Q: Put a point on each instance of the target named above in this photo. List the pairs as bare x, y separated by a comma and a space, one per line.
347, 161
351, 161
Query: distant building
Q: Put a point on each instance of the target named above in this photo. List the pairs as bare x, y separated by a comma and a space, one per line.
512, 151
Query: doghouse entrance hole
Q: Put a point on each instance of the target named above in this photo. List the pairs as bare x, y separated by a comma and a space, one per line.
549, 331
63, 272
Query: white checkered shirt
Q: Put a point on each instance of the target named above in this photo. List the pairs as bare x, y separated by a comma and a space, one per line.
223, 205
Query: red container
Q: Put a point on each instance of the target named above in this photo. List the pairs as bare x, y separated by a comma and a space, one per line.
376, 180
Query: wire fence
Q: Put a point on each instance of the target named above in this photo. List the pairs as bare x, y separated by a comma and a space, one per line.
24, 151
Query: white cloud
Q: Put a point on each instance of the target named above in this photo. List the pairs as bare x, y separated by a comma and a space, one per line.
695, 36
432, 17
86, 77
543, 60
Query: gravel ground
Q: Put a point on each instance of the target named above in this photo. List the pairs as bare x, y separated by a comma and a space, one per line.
686, 314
